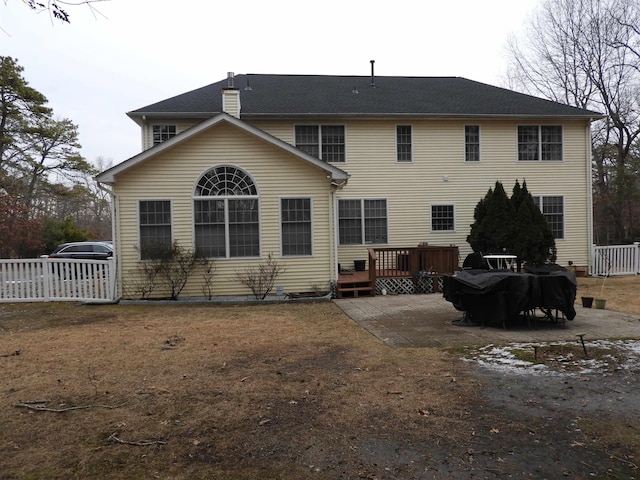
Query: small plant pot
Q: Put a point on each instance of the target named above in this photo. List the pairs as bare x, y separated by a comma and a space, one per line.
600, 303
587, 302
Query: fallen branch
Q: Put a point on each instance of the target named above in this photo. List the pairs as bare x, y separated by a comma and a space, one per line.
624, 460
14, 354
145, 443
37, 406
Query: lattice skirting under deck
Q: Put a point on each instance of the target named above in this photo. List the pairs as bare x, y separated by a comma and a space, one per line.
401, 285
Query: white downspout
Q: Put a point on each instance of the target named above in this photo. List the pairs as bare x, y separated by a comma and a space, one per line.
332, 237
333, 222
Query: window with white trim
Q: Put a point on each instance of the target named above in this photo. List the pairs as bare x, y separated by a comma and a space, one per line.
226, 222
362, 221
162, 133
552, 208
154, 221
295, 217
404, 143
539, 143
442, 218
472, 143
327, 142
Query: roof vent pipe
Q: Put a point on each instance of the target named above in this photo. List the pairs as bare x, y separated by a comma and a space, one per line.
373, 78
230, 76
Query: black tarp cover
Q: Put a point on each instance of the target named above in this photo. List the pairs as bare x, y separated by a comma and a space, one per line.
496, 296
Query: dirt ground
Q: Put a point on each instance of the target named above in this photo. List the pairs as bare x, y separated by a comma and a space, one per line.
297, 392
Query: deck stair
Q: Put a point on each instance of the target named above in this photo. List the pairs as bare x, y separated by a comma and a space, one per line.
355, 284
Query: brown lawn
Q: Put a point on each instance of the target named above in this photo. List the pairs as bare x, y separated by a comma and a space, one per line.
255, 392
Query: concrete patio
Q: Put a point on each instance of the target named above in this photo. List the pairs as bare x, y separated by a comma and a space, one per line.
428, 320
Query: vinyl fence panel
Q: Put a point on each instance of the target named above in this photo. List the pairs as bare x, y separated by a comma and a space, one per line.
55, 279
616, 259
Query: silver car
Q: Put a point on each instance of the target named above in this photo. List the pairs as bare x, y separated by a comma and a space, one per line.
84, 250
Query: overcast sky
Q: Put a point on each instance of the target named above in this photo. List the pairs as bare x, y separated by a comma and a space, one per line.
137, 52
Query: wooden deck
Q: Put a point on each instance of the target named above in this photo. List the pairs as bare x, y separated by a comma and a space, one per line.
356, 284
397, 263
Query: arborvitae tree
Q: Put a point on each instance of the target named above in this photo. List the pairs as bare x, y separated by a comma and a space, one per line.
492, 229
477, 237
515, 226
533, 240
518, 195
500, 217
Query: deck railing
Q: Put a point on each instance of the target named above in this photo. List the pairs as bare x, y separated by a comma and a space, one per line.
410, 261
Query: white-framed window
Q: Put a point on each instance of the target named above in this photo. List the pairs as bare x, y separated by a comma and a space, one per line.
154, 223
362, 221
472, 143
404, 147
539, 143
552, 207
443, 218
327, 142
295, 225
162, 133
226, 214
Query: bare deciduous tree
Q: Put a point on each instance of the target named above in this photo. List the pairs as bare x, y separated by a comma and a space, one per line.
57, 9
585, 53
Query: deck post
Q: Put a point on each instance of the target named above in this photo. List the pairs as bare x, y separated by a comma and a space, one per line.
373, 260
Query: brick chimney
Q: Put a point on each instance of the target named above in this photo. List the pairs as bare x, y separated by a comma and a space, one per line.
231, 97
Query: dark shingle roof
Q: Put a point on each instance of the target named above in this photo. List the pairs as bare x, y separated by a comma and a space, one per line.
318, 95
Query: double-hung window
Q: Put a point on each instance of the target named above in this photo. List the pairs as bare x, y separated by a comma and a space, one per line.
226, 219
326, 142
442, 218
552, 208
295, 215
539, 142
403, 143
472, 143
154, 220
163, 133
362, 221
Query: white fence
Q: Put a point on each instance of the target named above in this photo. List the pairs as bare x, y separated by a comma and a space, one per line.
55, 279
616, 260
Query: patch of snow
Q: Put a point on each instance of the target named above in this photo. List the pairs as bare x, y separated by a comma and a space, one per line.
503, 358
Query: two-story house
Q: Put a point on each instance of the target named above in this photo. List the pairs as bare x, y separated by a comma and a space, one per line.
316, 169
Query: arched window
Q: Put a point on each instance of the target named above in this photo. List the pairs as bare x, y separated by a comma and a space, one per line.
225, 206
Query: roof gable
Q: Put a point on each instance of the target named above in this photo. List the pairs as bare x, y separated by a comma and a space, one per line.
318, 95
109, 176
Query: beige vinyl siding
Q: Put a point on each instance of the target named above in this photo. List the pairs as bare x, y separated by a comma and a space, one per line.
438, 146
283, 130
231, 102
147, 129
410, 189
173, 174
